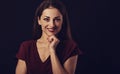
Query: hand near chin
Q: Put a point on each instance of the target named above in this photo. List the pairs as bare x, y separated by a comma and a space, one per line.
53, 42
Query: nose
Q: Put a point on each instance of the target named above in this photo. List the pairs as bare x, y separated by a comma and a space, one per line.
52, 23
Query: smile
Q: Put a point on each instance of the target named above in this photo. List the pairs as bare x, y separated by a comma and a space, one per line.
51, 29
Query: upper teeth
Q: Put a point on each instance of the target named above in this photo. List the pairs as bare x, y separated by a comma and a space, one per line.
50, 29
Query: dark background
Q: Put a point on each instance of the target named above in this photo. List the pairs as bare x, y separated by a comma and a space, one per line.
94, 24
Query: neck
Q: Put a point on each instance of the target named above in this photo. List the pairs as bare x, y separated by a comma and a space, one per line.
43, 38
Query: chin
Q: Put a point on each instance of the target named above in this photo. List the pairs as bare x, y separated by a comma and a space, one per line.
50, 34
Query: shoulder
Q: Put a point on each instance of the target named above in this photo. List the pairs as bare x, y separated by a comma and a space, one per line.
72, 46
70, 43
27, 42
24, 49
27, 45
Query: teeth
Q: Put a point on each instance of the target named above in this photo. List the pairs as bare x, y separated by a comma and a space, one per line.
50, 29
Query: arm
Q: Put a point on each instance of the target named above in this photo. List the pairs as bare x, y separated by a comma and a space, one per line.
70, 64
21, 67
68, 68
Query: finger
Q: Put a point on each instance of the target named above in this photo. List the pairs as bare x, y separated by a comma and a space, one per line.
53, 39
50, 39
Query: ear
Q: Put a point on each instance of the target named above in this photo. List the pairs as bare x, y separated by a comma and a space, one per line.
39, 21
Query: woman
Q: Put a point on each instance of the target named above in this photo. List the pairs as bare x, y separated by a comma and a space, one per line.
52, 51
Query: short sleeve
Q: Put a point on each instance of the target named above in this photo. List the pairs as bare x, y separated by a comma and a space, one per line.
72, 49
22, 52
75, 51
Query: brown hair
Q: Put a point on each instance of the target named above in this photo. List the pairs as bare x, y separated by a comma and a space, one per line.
65, 33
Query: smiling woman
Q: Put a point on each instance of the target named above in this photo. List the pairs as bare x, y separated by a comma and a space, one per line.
52, 51
50, 21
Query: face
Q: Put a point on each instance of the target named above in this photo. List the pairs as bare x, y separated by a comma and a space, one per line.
50, 21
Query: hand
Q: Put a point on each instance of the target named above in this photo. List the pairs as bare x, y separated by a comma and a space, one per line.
53, 42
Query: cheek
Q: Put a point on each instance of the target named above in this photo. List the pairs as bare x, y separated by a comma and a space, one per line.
44, 24
44, 27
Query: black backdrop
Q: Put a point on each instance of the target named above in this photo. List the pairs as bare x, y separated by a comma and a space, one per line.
94, 24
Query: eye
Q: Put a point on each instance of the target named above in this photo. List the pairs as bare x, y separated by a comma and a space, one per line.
46, 19
58, 19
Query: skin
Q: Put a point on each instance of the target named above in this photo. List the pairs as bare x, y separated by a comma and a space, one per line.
51, 22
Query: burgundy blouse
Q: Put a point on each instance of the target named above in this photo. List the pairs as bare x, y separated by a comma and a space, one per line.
28, 52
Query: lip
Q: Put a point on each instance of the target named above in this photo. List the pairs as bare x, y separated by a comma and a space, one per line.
51, 29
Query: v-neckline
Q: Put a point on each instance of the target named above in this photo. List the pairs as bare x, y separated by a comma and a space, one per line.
38, 56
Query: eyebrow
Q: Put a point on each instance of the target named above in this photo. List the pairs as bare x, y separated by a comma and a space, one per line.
49, 17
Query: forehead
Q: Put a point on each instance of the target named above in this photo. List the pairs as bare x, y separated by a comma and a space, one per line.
51, 12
